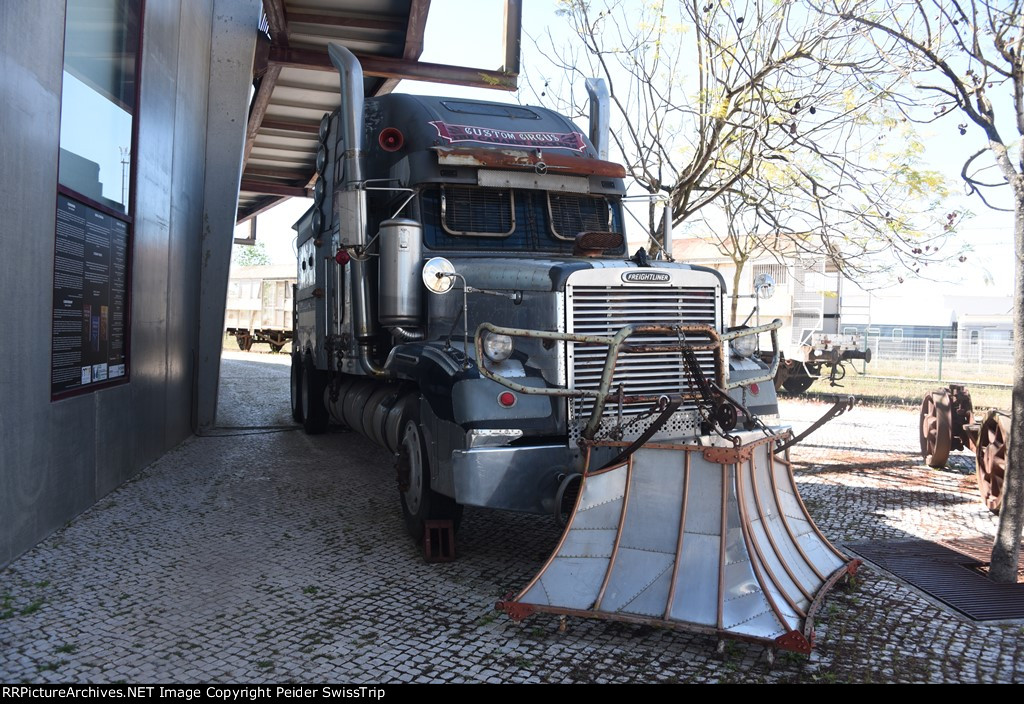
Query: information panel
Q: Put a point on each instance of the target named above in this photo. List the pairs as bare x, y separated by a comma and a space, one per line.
90, 275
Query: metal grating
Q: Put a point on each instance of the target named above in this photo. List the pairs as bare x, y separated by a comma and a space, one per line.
950, 571
477, 211
808, 299
599, 310
779, 272
573, 214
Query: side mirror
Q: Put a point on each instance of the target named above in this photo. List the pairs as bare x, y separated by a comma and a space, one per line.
764, 286
438, 275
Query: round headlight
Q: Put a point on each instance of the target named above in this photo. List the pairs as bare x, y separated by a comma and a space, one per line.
743, 346
497, 348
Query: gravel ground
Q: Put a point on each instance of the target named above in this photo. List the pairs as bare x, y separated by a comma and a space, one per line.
264, 555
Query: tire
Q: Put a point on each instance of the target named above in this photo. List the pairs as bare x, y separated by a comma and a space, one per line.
296, 388
314, 413
420, 503
798, 383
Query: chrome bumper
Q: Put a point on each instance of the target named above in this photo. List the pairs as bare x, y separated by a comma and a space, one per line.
523, 479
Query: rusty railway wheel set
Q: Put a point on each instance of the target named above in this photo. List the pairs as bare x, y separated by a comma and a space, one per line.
947, 423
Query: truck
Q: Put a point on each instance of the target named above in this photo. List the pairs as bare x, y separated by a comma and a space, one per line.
465, 299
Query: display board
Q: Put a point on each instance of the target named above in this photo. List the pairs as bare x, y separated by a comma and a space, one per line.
90, 278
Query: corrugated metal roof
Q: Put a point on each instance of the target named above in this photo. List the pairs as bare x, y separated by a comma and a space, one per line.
296, 84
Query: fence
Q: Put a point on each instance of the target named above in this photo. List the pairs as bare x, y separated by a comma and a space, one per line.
942, 359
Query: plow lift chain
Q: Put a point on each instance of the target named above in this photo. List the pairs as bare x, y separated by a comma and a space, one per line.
719, 411
716, 408
667, 408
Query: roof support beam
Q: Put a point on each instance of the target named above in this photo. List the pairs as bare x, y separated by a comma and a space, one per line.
249, 185
513, 35
278, 21
260, 206
347, 21
383, 67
292, 126
294, 174
413, 39
260, 103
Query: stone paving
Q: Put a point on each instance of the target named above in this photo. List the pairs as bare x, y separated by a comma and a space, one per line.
264, 555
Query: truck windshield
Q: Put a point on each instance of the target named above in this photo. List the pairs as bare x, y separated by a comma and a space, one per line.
457, 217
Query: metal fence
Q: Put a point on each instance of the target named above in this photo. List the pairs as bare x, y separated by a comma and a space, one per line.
941, 359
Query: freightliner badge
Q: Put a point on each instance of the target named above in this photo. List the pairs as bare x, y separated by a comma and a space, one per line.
646, 277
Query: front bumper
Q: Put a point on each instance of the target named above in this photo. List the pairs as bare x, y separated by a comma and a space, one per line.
523, 479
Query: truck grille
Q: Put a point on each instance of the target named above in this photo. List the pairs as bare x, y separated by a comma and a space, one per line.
603, 310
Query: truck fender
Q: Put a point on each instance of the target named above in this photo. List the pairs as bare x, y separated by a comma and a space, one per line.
461, 395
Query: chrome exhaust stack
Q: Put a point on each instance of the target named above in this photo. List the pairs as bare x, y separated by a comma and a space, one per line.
350, 72
350, 201
600, 115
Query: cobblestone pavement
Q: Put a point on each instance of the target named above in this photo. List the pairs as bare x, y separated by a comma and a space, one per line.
267, 555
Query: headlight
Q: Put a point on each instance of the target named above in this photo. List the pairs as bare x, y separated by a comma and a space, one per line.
497, 348
743, 346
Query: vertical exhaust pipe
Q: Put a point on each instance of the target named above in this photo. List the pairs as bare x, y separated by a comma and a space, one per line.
350, 74
666, 231
600, 115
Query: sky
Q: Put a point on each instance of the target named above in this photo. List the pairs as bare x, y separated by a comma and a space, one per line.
988, 270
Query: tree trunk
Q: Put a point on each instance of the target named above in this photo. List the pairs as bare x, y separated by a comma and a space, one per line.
1011, 515
736, 292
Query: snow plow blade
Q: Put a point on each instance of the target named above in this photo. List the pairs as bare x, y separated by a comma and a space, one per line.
700, 538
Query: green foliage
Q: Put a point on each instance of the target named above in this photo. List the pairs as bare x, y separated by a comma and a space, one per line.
772, 116
251, 254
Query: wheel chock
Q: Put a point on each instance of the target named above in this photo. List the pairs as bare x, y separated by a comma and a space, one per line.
438, 541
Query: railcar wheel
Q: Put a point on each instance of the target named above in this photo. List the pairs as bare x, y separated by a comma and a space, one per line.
798, 382
936, 428
993, 441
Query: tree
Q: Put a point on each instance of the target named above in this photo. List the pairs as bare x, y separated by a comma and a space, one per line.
769, 106
251, 254
963, 61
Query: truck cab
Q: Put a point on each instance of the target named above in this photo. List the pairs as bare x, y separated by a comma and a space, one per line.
465, 298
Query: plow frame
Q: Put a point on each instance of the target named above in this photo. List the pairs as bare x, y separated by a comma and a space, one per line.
742, 461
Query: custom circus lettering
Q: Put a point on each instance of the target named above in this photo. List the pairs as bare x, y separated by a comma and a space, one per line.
469, 133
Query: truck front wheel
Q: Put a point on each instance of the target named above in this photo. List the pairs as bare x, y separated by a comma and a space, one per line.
420, 503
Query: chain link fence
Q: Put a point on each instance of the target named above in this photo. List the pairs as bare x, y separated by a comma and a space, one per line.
941, 359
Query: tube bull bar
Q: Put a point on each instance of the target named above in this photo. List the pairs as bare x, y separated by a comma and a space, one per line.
619, 344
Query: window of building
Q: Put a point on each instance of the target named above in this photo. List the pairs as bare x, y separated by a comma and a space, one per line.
101, 42
89, 346
779, 272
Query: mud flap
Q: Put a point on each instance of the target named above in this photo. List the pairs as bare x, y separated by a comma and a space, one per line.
701, 538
